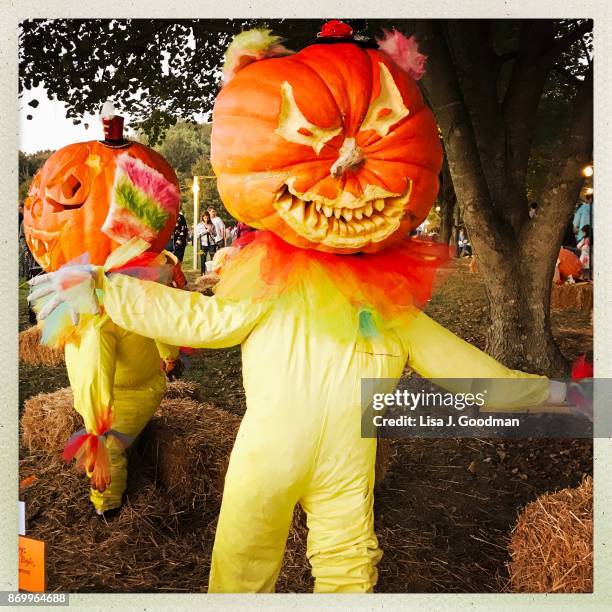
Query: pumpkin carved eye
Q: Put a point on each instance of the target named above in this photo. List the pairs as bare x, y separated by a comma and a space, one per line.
70, 191
294, 127
388, 108
71, 186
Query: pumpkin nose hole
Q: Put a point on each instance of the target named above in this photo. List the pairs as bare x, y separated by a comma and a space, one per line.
350, 156
70, 186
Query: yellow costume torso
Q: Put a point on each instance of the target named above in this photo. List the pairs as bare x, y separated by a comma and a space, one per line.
300, 439
113, 367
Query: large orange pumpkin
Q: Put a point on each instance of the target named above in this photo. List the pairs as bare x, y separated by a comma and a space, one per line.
69, 200
331, 148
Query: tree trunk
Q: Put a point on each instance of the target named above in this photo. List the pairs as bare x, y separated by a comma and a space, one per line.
517, 254
520, 335
448, 200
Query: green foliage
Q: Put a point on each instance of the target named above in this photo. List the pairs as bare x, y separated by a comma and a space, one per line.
29, 165
557, 96
160, 71
433, 219
556, 104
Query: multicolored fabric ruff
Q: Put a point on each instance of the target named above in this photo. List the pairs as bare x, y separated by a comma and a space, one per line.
142, 201
367, 291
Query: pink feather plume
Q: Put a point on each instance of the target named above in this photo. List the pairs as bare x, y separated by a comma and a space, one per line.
404, 52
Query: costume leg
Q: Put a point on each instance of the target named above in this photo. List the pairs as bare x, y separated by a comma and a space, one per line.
132, 410
261, 490
342, 546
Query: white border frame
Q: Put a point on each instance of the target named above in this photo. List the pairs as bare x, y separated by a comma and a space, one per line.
14, 11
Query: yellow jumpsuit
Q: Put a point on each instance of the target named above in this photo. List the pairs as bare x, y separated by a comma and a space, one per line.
300, 439
113, 367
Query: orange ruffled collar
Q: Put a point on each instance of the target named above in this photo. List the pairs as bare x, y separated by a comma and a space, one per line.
388, 283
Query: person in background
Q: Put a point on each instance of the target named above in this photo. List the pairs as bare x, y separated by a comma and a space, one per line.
585, 251
180, 237
219, 226
206, 235
533, 209
582, 216
463, 244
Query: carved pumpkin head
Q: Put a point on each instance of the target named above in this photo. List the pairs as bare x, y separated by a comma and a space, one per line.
70, 197
331, 148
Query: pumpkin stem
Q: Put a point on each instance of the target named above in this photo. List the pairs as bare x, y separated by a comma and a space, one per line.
350, 155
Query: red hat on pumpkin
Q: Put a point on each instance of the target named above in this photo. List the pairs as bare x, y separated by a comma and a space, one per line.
112, 123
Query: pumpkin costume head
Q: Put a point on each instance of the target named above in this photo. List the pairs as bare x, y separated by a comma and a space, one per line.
90, 197
331, 148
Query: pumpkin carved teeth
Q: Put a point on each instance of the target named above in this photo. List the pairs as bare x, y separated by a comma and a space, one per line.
41, 243
342, 227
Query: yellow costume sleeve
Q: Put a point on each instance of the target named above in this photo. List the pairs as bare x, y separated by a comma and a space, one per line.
436, 353
177, 317
91, 369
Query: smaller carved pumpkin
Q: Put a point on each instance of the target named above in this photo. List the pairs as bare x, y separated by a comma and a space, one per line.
69, 200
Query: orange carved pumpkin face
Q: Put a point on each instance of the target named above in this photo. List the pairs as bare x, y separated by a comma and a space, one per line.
331, 148
69, 201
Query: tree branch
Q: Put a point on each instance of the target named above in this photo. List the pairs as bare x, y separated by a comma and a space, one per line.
561, 44
586, 51
570, 78
506, 57
475, 60
564, 179
443, 89
521, 102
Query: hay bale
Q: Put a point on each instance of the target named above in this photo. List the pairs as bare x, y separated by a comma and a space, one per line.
149, 546
183, 389
189, 444
578, 296
32, 352
551, 545
48, 420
